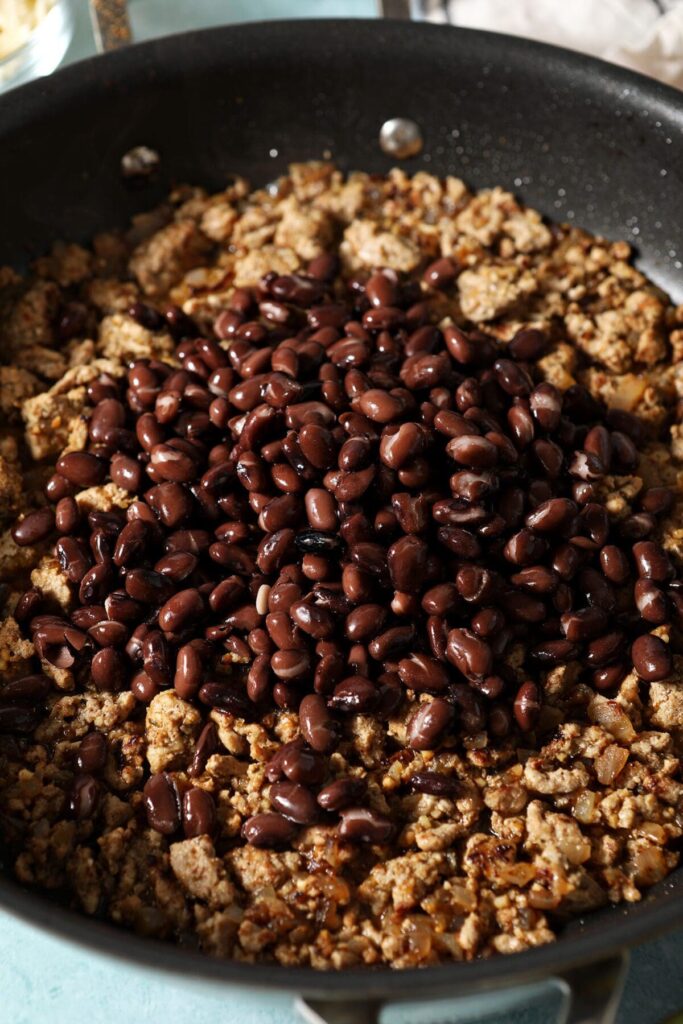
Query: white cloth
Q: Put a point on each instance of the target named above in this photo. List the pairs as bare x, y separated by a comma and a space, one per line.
645, 35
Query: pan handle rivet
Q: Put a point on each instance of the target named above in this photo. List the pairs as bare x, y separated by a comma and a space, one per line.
140, 163
400, 137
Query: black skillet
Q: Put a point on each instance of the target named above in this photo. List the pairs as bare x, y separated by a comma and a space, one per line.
577, 138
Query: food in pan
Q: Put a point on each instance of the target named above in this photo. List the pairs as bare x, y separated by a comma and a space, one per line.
343, 587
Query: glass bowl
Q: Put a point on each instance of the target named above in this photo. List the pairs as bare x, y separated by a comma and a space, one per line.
43, 50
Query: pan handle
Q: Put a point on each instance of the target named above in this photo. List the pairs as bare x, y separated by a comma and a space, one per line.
587, 995
398, 9
110, 24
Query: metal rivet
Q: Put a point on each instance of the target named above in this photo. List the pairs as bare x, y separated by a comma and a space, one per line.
140, 163
401, 137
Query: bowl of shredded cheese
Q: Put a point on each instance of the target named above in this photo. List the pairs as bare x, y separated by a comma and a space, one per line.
34, 36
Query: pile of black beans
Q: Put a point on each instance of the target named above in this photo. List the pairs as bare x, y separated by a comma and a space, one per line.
344, 502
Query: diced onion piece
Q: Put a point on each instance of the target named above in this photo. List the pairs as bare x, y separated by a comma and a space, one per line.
649, 865
610, 763
654, 831
515, 874
584, 807
630, 392
612, 717
461, 897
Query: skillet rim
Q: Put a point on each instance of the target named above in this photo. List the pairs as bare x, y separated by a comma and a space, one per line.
626, 926
40, 92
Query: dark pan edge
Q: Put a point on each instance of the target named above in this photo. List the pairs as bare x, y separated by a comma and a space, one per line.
565, 62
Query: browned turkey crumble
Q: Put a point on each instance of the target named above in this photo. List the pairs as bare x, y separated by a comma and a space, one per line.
583, 810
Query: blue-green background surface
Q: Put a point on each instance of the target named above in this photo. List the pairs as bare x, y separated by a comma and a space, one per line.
44, 981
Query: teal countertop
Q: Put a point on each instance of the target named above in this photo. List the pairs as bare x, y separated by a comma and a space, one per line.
44, 981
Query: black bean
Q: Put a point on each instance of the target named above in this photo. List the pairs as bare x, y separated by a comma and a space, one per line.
362, 825
407, 561
598, 442
536, 578
638, 526
148, 586
67, 516
82, 469
316, 542
109, 670
294, 801
624, 453
552, 515
477, 584
470, 654
550, 457
651, 658
584, 624
58, 487
119, 607
392, 642
28, 605
17, 718
156, 658
473, 451
132, 543
422, 673
652, 561
528, 344
32, 689
614, 564
552, 652
353, 694
161, 804
177, 566
269, 830
199, 813
107, 633
657, 500
527, 705
179, 611
96, 583
545, 402
609, 677
142, 687
512, 377
34, 527
341, 793
207, 744
316, 726
435, 783
597, 590
605, 649
524, 548
650, 601
92, 753
83, 797
225, 697
428, 723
